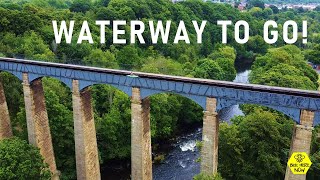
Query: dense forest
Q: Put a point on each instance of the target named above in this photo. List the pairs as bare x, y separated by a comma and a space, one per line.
258, 142
292, 1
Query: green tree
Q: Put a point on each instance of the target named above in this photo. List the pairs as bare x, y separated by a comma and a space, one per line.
202, 176
275, 9
80, 6
256, 12
223, 52
255, 146
284, 66
313, 55
208, 69
314, 170
225, 56
99, 58
59, 108
164, 115
284, 75
162, 65
128, 57
113, 122
257, 45
230, 144
33, 47
19, 160
228, 69
256, 3
266, 141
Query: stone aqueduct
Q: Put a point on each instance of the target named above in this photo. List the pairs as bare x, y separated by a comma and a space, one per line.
302, 106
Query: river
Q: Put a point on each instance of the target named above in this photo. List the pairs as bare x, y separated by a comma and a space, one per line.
180, 162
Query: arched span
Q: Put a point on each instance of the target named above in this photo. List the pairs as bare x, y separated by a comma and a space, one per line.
32, 77
85, 84
291, 112
14, 73
200, 100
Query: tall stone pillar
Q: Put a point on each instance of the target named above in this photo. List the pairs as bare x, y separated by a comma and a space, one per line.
141, 159
301, 140
87, 157
210, 137
37, 121
5, 124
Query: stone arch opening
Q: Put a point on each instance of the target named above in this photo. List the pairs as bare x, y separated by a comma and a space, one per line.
179, 118
11, 99
112, 115
58, 104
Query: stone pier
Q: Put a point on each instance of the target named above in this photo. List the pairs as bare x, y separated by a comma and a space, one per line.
210, 137
87, 157
301, 140
5, 124
37, 121
141, 159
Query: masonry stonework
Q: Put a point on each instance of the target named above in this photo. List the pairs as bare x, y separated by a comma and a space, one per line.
37, 121
87, 157
141, 158
301, 140
5, 124
210, 136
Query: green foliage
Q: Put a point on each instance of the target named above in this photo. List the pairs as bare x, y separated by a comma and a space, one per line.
291, 1
13, 92
19, 160
226, 52
80, 6
256, 146
33, 47
59, 108
257, 45
203, 176
162, 65
208, 69
284, 67
256, 3
218, 69
275, 9
29, 45
164, 120
314, 170
313, 55
199, 145
128, 57
101, 59
113, 122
